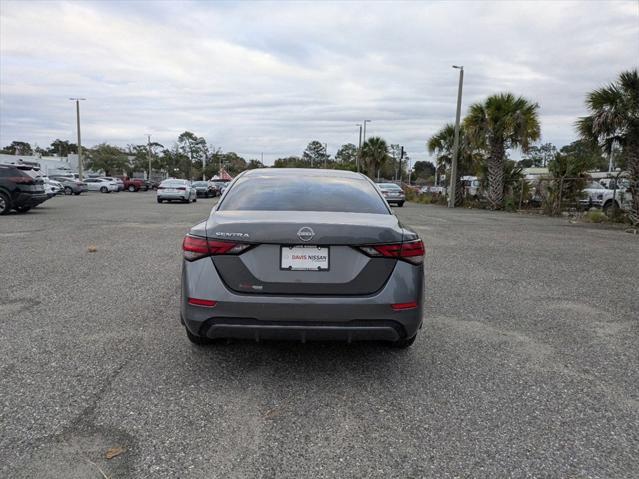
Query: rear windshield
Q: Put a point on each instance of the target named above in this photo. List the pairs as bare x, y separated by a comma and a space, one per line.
199, 183
301, 193
173, 183
389, 186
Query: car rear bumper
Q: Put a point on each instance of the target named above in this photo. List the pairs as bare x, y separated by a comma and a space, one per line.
301, 318
30, 200
173, 196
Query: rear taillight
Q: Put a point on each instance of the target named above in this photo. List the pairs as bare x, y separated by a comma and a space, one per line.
22, 180
404, 306
202, 302
412, 251
195, 247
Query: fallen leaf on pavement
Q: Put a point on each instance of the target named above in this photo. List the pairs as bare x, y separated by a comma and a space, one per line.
114, 451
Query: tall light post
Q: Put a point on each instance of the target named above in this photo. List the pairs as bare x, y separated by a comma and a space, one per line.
453, 165
77, 113
359, 146
148, 153
365, 121
325, 155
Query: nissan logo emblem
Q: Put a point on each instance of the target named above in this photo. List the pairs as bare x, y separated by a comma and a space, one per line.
305, 233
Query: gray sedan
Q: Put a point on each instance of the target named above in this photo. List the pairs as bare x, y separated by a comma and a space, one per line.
393, 193
302, 254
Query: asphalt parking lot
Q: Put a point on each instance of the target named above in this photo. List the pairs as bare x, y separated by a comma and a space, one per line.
527, 365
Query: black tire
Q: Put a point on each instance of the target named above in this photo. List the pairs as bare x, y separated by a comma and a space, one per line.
104, 189
160, 201
194, 199
199, 340
5, 204
22, 209
68, 191
610, 207
77, 193
404, 343
400, 204
131, 188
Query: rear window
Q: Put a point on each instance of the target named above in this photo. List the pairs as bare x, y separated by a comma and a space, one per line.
173, 183
303, 194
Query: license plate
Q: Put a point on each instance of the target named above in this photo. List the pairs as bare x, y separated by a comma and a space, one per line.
170, 190
304, 258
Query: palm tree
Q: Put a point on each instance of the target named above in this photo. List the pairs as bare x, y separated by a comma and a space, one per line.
501, 123
374, 154
441, 145
614, 120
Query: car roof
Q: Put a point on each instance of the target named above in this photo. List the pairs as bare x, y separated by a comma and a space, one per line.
297, 172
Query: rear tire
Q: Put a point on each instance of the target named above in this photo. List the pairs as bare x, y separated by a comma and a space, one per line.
199, 340
131, 188
404, 343
68, 191
610, 207
400, 204
160, 201
104, 189
194, 199
5, 204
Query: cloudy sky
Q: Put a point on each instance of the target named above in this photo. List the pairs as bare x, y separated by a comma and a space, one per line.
270, 77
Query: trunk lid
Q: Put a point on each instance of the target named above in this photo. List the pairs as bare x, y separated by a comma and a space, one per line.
259, 269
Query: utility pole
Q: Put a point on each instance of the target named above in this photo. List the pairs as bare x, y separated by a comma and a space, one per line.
77, 113
325, 156
401, 155
359, 146
148, 153
453, 166
365, 121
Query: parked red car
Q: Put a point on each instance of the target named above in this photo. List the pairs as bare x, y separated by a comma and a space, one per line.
134, 184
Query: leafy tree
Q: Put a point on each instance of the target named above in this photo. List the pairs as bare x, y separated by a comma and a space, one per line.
107, 158
588, 152
18, 148
346, 154
374, 155
441, 145
195, 149
500, 123
233, 163
614, 120
291, 162
254, 164
315, 154
62, 148
539, 156
424, 169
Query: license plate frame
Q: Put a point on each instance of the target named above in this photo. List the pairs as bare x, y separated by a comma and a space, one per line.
286, 261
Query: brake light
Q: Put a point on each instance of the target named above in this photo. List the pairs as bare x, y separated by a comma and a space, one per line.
412, 251
202, 302
195, 247
404, 306
22, 180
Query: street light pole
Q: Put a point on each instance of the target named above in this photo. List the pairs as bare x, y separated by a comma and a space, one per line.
148, 153
365, 121
325, 155
453, 165
359, 146
77, 113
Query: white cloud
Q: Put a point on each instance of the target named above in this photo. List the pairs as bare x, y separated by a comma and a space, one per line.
270, 77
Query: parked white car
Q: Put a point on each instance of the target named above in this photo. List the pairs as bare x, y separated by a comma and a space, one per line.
51, 187
116, 180
176, 190
100, 184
